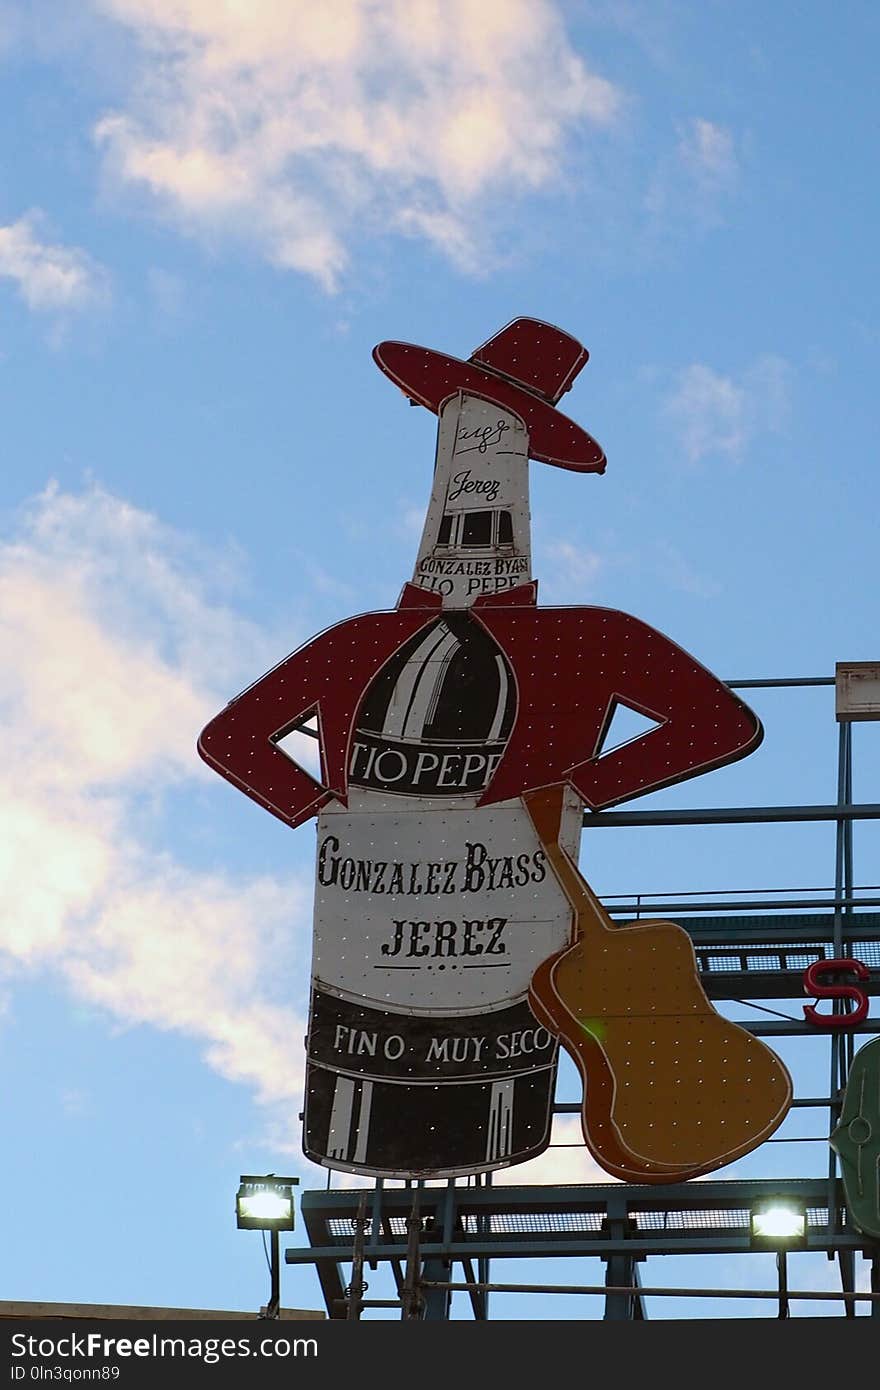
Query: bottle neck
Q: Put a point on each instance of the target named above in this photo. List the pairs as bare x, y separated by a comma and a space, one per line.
476, 538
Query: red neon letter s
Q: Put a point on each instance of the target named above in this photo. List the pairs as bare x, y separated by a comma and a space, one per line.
813, 985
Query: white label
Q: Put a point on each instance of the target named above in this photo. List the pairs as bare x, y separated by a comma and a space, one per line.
436, 911
476, 536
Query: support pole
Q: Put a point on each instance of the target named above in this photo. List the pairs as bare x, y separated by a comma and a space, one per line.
411, 1297
438, 1301
842, 885
357, 1287
273, 1307
782, 1272
846, 1262
620, 1270
484, 1270
619, 1273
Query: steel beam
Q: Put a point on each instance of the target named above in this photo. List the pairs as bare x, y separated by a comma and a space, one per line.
732, 815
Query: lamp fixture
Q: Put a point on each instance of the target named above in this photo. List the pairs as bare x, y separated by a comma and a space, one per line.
265, 1203
779, 1224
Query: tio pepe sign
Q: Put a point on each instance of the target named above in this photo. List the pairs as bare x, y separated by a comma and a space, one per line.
462, 735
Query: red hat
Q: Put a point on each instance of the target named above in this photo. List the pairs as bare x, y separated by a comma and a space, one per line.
525, 368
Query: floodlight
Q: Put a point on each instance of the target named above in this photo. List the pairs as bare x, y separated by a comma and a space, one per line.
780, 1224
265, 1203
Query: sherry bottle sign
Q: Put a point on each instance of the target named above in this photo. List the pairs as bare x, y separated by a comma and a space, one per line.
455, 942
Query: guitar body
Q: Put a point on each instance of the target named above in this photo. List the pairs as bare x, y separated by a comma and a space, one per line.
671, 1088
601, 1135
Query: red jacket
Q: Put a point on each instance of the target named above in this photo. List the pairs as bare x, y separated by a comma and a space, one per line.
571, 666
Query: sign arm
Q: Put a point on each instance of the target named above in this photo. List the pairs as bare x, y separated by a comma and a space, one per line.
241, 744
328, 677
705, 725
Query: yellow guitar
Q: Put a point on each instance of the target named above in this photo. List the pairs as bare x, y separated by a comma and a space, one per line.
671, 1088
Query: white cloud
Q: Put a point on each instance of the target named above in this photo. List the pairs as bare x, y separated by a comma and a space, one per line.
713, 414
447, 231
49, 277
566, 1161
290, 125
694, 182
579, 564
708, 152
709, 412
75, 1103
118, 652
167, 292
567, 572
412, 522
679, 574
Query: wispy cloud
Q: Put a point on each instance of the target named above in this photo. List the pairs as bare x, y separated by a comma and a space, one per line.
718, 415
75, 1103
708, 152
167, 292
567, 572
676, 572
118, 653
289, 125
566, 1161
695, 180
709, 412
50, 277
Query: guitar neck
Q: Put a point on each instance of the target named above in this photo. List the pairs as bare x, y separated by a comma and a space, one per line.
545, 812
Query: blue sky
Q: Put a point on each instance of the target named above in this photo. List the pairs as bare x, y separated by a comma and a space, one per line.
210, 213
